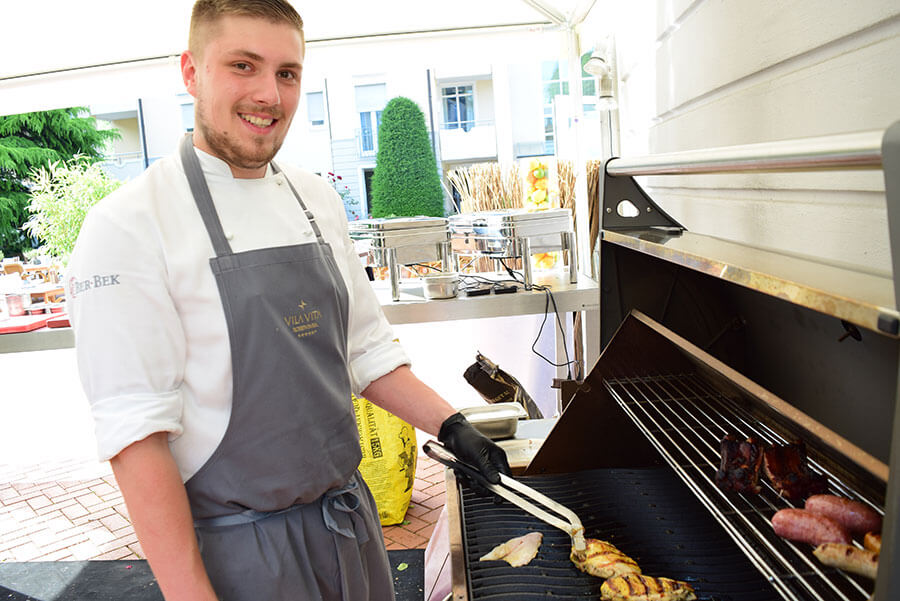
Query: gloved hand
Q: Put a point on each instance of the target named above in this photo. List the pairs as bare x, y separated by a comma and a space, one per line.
472, 447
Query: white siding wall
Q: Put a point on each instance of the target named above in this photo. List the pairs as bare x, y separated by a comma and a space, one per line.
724, 72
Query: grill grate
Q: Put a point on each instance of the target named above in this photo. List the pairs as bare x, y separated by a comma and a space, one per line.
647, 513
685, 419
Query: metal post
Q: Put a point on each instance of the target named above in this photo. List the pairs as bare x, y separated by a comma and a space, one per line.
525, 252
394, 272
887, 585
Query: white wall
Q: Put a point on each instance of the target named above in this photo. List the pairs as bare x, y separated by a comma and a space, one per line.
722, 72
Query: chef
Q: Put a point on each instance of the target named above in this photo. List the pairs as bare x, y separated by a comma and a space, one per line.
222, 321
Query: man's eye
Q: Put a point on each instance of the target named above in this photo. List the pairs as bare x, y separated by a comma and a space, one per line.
287, 75
242, 66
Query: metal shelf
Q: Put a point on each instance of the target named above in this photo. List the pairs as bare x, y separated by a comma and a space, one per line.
685, 420
863, 299
413, 307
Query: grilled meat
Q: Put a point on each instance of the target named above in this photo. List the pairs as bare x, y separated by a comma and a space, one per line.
516, 551
787, 469
872, 542
855, 516
741, 460
603, 560
635, 587
848, 558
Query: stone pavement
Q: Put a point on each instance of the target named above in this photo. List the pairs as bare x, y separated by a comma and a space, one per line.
74, 511
57, 502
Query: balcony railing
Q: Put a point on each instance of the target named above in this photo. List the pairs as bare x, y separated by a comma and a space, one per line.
468, 140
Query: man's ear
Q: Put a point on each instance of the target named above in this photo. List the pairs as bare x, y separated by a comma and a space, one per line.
189, 72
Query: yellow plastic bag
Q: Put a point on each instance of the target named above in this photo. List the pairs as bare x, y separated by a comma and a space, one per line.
388, 458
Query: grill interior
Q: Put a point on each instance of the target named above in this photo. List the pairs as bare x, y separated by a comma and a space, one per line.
646, 512
685, 418
635, 455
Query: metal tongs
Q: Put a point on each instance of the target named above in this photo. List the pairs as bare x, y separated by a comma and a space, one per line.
571, 525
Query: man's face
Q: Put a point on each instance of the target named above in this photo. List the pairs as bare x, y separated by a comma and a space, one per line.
245, 79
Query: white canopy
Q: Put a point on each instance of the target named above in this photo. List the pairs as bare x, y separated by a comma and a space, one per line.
62, 52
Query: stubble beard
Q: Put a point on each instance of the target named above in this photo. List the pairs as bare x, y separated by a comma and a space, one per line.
252, 155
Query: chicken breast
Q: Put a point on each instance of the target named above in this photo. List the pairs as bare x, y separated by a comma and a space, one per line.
517, 551
603, 560
635, 587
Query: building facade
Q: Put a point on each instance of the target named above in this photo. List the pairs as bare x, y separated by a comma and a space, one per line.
487, 95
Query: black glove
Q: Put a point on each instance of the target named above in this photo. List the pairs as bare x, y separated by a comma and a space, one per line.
472, 447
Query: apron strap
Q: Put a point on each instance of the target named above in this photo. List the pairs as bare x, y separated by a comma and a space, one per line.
202, 197
306, 211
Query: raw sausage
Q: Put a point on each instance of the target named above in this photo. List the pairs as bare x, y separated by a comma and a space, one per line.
848, 558
856, 517
872, 542
807, 527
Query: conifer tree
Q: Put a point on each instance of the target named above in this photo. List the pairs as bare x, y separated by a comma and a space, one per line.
406, 180
32, 140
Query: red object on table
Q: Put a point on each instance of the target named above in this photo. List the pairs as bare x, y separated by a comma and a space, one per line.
60, 321
25, 323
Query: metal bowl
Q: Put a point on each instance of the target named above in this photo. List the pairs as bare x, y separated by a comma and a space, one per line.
440, 285
497, 421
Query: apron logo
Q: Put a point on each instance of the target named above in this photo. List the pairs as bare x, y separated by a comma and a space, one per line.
76, 287
303, 323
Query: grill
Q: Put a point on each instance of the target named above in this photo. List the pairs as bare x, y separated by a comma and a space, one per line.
631, 508
700, 342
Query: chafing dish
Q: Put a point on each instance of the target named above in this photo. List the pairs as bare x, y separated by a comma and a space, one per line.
515, 233
390, 242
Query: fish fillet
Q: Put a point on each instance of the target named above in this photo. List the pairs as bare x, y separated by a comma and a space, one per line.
635, 587
516, 551
603, 560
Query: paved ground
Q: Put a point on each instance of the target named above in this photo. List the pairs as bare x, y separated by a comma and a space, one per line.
57, 502
74, 511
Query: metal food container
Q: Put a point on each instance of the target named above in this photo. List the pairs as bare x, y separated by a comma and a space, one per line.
416, 239
513, 233
498, 233
440, 285
496, 421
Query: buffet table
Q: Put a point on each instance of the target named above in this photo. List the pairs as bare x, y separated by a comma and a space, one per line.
414, 308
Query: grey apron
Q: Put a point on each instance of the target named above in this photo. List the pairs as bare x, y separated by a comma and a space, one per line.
280, 510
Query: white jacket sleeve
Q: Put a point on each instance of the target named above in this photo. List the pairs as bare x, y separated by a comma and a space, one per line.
129, 341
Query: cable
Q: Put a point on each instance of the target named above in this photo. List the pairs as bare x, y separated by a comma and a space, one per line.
550, 299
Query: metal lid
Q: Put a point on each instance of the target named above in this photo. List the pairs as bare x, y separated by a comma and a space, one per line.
397, 223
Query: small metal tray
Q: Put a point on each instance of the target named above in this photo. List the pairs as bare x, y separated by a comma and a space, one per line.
496, 421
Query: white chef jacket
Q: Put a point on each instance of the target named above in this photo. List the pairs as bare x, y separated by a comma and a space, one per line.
151, 338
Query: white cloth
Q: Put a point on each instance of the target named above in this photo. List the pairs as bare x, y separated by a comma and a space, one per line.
151, 339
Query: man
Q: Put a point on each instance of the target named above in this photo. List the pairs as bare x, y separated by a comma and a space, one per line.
222, 321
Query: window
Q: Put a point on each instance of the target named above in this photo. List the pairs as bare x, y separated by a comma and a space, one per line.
186, 103
459, 107
315, 108
370, 101
555, 78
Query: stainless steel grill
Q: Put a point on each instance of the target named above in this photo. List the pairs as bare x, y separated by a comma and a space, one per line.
685, 418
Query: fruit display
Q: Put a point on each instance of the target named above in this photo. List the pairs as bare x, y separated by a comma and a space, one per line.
539, 196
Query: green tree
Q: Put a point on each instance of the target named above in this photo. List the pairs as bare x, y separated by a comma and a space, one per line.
406, 180
33, 140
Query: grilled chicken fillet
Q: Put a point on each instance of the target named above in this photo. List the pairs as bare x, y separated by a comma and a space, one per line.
603, 560
635, 587
516, 551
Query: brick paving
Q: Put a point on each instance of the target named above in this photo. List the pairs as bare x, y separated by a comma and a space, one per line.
73, 510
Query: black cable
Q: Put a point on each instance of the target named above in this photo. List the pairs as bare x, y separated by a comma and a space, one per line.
568, 363
426, 266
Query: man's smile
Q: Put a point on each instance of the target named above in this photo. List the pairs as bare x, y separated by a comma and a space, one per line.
256, 120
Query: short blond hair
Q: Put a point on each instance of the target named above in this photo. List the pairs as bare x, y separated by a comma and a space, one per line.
207, 12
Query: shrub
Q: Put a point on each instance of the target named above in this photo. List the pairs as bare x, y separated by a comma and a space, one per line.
60, 199
406, 180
